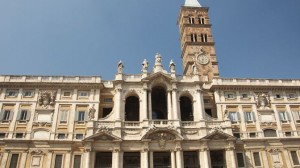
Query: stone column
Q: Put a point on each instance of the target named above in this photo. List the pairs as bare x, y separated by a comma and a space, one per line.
49, 159
204, 158
149, 105
170, 116
116, 159
200, 105
264, 157
144, 109
23, 158
144, 159
231, 158
175, 104
118, 103
287, 159
87, 158
4, 159
173, 159
68, 159
151, 159
179, 158
293, 125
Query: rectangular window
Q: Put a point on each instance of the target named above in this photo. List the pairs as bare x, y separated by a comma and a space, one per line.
11, 93
14, 161
77, 161
291, 95
252, 134
61, 136
83, 94
58, 161
6, 115
79, 136
282, 116
19, 135
288, 134
204, 38
64, 116
256, 158
234, 116
240, 159
249, 116
28, 94
2, 135
23, 115
245, 96
67, 94
237, 135
81, 115
295, 157
277, 96
131, 160
107, 100
190, 159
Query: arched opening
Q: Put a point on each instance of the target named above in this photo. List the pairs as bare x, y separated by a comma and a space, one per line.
186, 109
132, 109
270, 133
159, 103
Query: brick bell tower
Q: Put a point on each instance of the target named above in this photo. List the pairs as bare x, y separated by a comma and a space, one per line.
197, 45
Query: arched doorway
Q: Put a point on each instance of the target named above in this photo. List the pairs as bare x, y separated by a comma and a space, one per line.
159, 103
132, 109
186, 109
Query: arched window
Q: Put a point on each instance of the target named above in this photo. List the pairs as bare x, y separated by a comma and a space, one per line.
186, 109
270, 133
132, 109
201, 20
159, 103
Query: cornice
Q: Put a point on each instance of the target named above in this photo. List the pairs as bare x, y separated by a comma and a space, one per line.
51, 85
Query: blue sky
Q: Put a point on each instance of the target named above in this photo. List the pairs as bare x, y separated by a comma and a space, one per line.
254, 38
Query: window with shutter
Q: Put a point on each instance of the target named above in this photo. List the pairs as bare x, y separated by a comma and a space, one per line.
23, 115
14, 161
58, 161
77, 161
63, 116
256, 158
295, 157
81, 115
6, 115
248, 116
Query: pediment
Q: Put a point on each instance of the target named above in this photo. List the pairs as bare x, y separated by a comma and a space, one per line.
102, 136
218, 135
158, 76
162, 134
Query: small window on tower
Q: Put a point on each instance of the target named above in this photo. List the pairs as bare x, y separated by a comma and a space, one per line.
191, 20
201, 20
204, 38
194, 37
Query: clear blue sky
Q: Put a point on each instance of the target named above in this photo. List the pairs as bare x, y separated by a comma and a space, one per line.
254, 38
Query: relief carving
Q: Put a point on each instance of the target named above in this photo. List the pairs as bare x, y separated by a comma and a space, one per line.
263, 101
46, 99
162, 138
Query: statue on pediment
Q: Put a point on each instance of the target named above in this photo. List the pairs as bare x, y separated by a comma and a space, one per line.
120, 67
145, 65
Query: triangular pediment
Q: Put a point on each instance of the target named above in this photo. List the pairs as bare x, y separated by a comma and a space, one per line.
157, 76
102, 136
218, 135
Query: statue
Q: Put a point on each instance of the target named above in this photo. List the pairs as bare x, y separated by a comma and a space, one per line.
172, 66
195, 69
263, 101
92, 112
120, 67
145, 65
157, 58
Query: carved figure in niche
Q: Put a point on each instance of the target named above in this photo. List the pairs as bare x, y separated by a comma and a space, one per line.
120, 67
92, 112
157, 58
195, 69
46, 98
263, 101
226, 114
145, 65
172, 66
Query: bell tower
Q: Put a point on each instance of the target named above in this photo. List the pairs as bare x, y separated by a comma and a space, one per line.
197, 45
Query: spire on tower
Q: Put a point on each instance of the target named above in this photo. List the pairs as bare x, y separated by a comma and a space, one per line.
192, 3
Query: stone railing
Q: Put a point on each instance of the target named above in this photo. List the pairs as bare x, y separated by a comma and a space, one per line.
131, 124
132, 78
266, 82
51, 79
109, 124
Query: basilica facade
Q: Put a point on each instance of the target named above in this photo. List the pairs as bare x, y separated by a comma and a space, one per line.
154, 119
